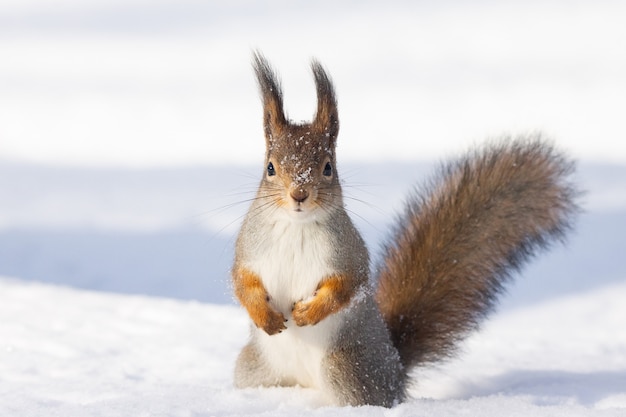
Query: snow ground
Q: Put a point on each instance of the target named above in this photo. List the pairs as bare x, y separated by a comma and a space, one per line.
70, 352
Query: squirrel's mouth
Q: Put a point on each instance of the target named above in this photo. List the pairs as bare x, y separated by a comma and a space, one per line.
302, 211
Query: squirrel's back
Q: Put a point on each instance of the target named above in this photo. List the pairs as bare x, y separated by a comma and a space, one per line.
463, 235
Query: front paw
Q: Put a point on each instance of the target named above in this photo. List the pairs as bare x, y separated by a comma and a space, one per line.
273, 323
305, 313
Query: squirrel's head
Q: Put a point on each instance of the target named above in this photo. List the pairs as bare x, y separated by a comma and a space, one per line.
300, 165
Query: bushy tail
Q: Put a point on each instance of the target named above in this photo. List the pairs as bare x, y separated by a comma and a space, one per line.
461, 238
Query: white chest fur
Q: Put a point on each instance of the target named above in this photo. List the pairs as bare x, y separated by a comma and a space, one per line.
291, 260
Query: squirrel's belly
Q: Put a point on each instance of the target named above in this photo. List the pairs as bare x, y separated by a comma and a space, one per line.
296, 354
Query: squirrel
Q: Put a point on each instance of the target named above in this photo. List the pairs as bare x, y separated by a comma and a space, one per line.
302, 270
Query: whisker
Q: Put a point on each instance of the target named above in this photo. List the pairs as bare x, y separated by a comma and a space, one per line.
224, 208
367, 203
329, 202
261, 208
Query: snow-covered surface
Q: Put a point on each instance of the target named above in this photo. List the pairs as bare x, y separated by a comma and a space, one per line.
78, 353
129, 136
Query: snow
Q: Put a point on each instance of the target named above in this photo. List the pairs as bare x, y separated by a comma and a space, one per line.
131, 145
81, 353
69, 352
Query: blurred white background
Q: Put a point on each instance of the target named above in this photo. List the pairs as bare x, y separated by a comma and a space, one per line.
140, 83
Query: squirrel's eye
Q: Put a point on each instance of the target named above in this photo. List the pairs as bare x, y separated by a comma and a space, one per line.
328, 170
270, 170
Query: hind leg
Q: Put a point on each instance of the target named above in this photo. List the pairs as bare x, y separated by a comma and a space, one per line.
251, 370
354, 379
363, 366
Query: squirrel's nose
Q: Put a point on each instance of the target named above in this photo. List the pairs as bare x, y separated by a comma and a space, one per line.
299, 195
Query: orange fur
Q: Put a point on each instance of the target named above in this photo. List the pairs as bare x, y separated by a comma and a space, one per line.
254, 297
332, 295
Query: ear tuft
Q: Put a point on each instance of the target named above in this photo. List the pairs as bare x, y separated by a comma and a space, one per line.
274, 120
326, 118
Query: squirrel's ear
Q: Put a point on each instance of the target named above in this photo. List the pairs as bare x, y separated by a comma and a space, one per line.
326, 118
274, 120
